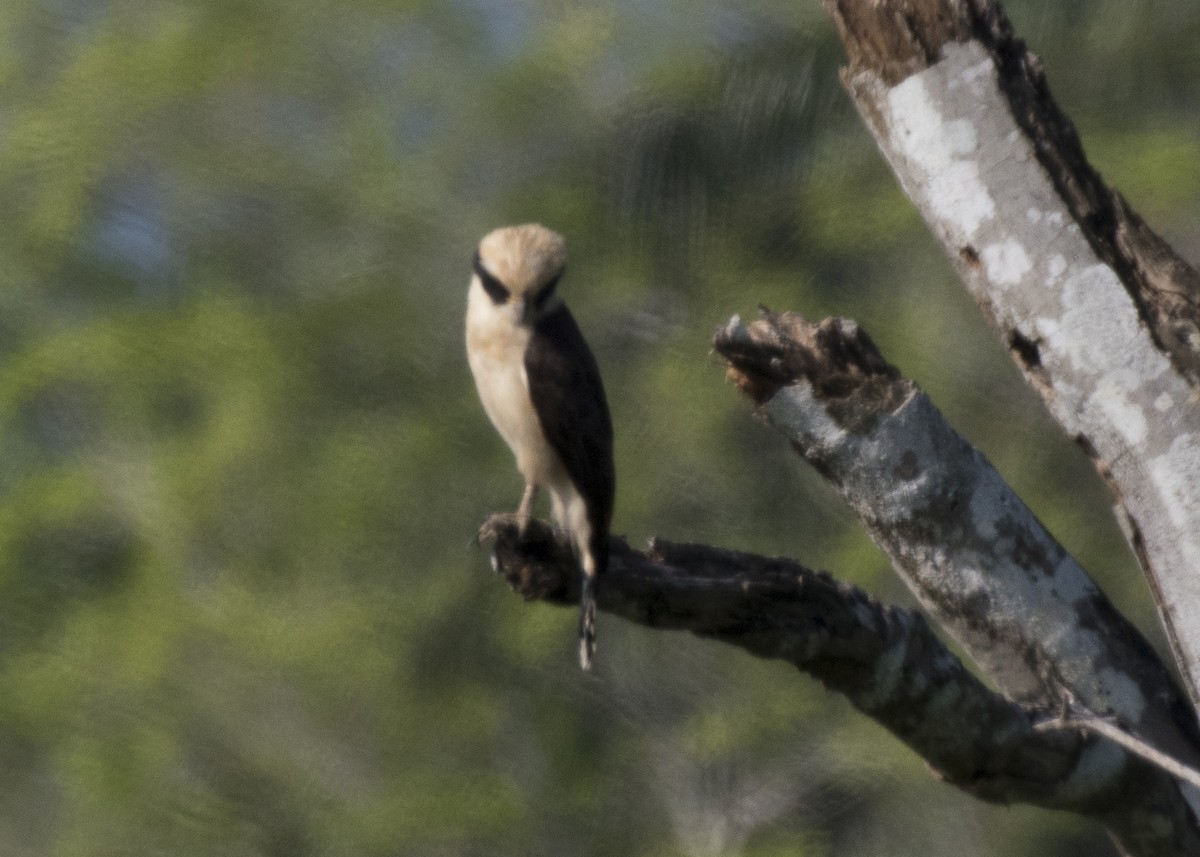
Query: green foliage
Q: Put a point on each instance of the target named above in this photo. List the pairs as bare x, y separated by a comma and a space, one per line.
243, 458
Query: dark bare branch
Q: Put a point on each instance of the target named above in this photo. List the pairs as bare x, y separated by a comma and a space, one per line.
885, 660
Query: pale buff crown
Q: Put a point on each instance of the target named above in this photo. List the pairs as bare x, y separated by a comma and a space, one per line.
524, 258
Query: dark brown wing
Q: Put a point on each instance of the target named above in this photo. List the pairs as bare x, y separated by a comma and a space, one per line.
565, 386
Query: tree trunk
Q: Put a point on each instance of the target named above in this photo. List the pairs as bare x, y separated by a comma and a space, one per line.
1099, 313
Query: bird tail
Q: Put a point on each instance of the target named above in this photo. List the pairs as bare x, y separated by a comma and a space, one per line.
587, 622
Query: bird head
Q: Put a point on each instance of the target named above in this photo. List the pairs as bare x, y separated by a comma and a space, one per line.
518, 267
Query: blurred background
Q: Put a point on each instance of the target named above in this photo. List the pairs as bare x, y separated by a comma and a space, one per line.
242, 457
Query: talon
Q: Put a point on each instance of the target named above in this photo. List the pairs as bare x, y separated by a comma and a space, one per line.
485, 530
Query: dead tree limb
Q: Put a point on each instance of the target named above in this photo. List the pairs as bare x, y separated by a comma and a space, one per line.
1100, 314
973, 553
885, 660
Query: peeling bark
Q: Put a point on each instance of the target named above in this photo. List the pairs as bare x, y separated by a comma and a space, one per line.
885, 660
1100, 314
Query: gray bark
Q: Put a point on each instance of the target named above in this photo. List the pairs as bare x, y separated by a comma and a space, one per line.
1099, 313
973, 553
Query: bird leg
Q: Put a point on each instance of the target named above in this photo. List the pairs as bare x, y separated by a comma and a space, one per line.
525, 510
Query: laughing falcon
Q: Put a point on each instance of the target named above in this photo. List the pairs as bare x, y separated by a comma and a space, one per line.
540, 386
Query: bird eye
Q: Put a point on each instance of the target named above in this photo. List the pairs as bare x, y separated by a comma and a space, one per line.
546, 291
491, 285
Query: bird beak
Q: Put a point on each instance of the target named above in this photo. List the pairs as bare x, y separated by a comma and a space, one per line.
524, 310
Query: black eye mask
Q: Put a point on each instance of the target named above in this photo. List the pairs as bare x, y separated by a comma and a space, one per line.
491, 285
544, 293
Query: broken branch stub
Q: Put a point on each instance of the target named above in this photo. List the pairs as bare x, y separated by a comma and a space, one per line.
973, 553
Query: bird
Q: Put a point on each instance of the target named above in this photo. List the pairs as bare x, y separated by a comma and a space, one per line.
541, 388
